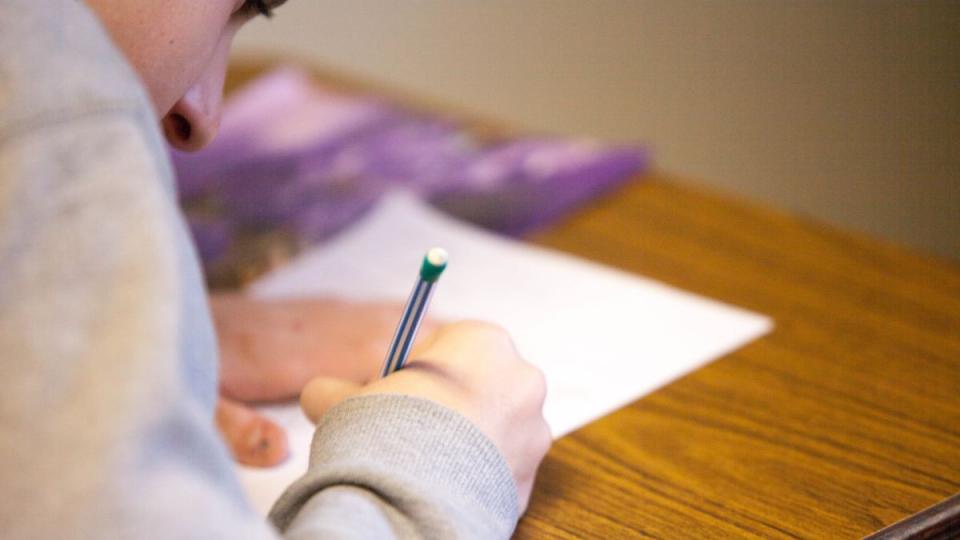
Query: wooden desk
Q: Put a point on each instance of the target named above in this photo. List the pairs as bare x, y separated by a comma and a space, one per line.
844, 420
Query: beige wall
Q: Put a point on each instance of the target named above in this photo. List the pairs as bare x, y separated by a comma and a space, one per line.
847, 111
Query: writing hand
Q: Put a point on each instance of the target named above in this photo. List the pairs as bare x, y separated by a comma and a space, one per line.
474, 369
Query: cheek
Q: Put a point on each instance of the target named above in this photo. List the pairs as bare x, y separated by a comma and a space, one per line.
169, 44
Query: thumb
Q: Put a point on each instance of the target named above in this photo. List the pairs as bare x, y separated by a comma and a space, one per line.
253, 439
322, 393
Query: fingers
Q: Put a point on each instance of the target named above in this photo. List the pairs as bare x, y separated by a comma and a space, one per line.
322, 393
253, 439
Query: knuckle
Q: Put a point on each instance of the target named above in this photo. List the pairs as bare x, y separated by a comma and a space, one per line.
536, 384
545, 438
491, 336
487, 329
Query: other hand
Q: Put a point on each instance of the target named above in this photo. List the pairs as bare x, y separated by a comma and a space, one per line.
270, 349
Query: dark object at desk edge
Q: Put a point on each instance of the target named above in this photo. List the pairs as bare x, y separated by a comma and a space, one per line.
940, 521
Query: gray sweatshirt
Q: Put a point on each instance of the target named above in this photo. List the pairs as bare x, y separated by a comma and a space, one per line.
107, 354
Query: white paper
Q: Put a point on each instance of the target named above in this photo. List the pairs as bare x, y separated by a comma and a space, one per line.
602, 337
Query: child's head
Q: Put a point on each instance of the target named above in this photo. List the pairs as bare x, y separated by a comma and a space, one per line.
180, 49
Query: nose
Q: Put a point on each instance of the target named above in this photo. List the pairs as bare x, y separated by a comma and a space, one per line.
195, 118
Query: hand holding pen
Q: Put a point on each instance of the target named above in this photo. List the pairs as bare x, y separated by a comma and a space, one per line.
472, 368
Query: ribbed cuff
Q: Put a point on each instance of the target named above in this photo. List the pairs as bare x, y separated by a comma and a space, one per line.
427, 461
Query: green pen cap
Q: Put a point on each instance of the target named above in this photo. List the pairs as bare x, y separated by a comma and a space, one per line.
433, 264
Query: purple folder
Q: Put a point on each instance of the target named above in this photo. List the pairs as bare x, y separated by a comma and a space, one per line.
296, 163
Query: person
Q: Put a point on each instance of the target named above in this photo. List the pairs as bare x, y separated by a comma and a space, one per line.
109, 376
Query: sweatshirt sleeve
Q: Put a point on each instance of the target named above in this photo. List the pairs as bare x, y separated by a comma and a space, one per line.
107, 376
392, 466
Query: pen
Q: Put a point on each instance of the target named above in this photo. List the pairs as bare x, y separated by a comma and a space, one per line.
434, 262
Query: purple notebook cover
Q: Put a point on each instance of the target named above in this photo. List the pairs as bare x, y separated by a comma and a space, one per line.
297, 162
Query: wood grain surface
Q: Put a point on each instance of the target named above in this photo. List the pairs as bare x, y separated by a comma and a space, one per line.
843, 420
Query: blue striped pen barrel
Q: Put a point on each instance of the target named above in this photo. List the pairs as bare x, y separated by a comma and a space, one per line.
434, 262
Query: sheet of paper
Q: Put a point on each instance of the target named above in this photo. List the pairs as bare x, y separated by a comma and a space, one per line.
602, 337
